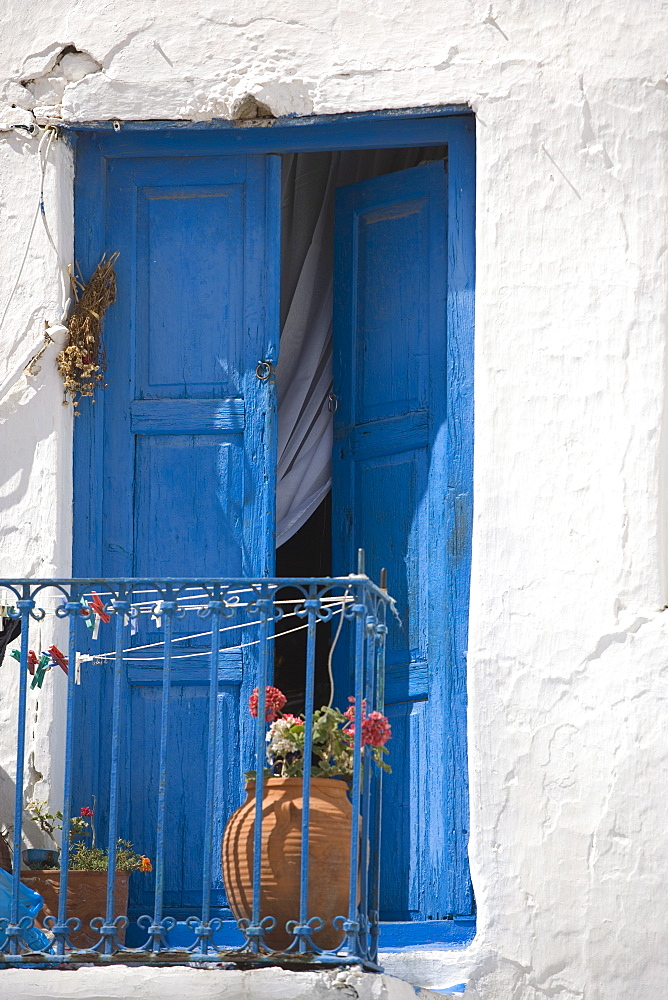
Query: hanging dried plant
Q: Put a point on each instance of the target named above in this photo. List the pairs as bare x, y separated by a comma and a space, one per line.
82, 363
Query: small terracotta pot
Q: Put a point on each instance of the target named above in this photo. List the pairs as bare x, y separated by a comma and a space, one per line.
329, 856
86, 898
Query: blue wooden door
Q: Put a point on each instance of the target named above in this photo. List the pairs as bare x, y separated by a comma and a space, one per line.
180, 449
402, 491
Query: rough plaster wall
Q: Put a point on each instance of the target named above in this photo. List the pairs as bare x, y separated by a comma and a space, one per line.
567, 652
35, 450
201, 984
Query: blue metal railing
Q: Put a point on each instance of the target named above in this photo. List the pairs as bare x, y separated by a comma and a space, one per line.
253, 607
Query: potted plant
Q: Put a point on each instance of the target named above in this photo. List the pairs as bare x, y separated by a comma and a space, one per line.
87, 878
40, 858
330, 819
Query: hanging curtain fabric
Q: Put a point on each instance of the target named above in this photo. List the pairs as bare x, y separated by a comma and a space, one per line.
304, 369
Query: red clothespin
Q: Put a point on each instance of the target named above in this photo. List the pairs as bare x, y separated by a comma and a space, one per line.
32, 659
98, 607
32, 662
58, 658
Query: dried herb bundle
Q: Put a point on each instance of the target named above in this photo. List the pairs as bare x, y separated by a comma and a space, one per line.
82, 363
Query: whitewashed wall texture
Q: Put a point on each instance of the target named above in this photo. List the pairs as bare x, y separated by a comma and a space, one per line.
568, 651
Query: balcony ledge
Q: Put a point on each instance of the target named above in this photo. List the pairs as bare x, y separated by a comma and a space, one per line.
126, 983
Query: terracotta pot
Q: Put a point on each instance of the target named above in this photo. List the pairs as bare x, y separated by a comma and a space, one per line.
329, 856
86, 898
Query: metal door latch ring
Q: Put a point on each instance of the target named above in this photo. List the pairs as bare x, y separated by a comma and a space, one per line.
264, 370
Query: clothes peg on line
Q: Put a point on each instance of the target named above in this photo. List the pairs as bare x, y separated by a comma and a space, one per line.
58, 658
42, 667
98, 607
32, 659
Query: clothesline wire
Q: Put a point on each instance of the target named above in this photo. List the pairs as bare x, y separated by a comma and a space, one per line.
153, 606
226, 628
88, 657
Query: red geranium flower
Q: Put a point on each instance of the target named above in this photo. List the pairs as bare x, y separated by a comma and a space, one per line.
294, 720
275, 700
376, 729
85, 811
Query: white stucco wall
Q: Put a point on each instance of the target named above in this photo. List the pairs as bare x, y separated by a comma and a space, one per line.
205, 984
568, 651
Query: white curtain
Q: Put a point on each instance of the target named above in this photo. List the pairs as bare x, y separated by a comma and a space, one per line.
304, 369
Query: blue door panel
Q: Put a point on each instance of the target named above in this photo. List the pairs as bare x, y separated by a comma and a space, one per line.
197, 310
202, 508
185, 790
393, 454
392, 363
398, 540
183, 440
190, 278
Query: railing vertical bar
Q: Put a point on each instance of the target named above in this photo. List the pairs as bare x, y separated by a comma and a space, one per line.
72, 610
381, 631
311, 607
25, 606
167, 613
359, 610
121, 607
210, 764
263, 604
369, 664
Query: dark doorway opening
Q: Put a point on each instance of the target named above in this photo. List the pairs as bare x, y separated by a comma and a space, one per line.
309, 185
307, 553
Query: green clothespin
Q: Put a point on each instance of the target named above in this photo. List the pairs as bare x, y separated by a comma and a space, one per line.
41, 670
16, 654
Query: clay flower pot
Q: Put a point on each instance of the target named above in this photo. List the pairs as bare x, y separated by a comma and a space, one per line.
86, 898
329, 856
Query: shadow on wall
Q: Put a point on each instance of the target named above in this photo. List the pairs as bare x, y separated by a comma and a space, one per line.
34, 429
32, 835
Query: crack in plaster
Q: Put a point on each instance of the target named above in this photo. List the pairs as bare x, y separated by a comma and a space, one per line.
263, 19
40, 93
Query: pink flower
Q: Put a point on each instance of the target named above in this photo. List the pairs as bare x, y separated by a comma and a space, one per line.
294, 720
275, 701
350, 712
85, 811
376, 729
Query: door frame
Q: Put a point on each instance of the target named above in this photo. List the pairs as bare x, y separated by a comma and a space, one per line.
97, 142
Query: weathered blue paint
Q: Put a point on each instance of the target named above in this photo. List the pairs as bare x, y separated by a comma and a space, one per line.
402, 489
456, 933
368, 130
131, 191
174, 466
238, 600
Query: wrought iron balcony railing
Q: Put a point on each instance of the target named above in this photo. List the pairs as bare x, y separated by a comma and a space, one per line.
199, 631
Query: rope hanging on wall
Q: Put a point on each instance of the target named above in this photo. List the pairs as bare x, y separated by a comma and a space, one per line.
82, 362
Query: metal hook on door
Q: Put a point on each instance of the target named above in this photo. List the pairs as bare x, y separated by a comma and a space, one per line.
332, 402
264, 370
